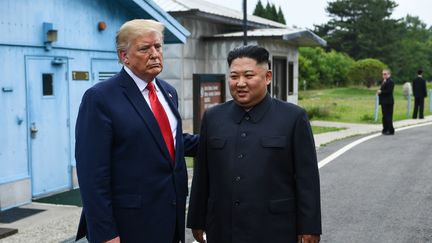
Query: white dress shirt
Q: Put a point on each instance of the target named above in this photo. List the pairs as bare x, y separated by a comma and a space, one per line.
142, 87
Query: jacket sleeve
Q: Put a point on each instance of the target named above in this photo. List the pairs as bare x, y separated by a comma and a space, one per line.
196, 218
307, 178
191, 143
93, 135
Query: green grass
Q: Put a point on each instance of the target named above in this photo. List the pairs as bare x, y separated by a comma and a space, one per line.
352, 104
318, 130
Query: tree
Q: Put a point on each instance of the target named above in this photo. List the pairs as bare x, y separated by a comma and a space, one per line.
362, 29
366, 72
269, 12
323, 69
281, 18
259, 9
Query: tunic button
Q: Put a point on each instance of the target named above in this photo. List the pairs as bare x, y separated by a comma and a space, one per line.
173, 203
247, 118
240, 156
237, 203
237, 178
243, 134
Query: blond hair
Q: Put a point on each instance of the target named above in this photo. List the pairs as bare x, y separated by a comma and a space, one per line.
133, 29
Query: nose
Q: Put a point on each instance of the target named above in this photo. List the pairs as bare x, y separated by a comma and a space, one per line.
241, 82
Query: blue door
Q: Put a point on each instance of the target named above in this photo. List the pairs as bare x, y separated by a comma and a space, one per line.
103, 69
47, 100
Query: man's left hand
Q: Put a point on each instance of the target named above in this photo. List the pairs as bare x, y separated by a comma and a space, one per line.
308, 238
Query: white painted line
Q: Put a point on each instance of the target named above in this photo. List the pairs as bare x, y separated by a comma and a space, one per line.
341, 151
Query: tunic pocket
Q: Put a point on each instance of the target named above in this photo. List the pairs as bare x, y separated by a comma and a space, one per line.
274, 142
282, 206
217, 143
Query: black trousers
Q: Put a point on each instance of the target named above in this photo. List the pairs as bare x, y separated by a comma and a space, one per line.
387, 118
418, 107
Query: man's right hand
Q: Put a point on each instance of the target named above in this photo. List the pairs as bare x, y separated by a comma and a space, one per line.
198, 234
115, 240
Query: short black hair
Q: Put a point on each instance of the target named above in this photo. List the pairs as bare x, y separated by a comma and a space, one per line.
420, 72
258, 53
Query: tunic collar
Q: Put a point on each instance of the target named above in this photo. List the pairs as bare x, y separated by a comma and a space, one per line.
255, 114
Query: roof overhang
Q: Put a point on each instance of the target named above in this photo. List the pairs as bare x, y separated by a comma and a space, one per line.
295, 37
174, 31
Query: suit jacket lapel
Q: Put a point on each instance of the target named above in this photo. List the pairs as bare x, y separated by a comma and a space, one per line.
137, 100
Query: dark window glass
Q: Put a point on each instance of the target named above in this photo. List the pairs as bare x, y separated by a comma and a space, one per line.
47, 84
279, 81
290, 78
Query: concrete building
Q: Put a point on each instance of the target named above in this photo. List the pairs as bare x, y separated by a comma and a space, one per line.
51, 52
215, 30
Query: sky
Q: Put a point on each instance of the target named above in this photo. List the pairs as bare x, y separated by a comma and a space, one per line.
306, 13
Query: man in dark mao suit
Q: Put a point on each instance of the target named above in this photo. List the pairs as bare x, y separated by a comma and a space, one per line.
130, 164
420, 92
386, 100
256, 179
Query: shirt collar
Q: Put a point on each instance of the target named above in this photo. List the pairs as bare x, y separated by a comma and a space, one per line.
255, 114
138, 81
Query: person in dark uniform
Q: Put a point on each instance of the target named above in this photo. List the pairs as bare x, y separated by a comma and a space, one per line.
386, 101
420, 92
256, 177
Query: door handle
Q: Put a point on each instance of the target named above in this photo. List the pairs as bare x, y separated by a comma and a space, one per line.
33, 130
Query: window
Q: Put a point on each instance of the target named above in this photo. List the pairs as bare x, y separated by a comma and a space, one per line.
290, 78
47, 84
279, 83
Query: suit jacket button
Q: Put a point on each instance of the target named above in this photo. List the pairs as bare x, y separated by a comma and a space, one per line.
174, 203
237, 178
237, 203
240, 156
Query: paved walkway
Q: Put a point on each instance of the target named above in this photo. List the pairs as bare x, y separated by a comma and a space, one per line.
353, 129
59, 223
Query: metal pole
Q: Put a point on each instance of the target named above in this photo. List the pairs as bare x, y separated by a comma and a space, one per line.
409, 106
245, 22
376, 108
430, 100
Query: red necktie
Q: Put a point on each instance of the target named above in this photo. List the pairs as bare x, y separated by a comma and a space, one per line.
162, 119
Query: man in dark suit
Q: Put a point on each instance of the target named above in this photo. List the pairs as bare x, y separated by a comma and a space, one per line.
130, 148
256, 178
420, 92
386, 101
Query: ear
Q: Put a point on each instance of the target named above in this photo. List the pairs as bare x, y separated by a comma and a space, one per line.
269, 76
123, 56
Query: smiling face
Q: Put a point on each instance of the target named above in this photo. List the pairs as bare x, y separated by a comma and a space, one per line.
248, 81
144, 56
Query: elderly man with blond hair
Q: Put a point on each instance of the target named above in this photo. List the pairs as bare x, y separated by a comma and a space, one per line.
130, 147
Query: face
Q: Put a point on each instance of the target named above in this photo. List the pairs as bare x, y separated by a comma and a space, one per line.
248, 81
385, 74
144, 56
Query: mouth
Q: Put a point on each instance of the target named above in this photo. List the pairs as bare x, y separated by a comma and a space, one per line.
242, 93
154, 65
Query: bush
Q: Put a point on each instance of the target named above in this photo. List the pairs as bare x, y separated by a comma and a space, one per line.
366, 72
318, 112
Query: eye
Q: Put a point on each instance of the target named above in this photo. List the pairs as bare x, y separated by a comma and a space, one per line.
233, 76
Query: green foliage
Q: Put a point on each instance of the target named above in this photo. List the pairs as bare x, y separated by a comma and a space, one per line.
269, 12
259, 9
362, 28
323, 69
318, 112
366, 72
365, 29
281, 18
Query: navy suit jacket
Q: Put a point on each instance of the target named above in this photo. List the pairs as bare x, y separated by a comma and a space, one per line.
419, 87
129, 186
386, 95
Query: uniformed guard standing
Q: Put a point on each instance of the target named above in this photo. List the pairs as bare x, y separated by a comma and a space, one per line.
256, 178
